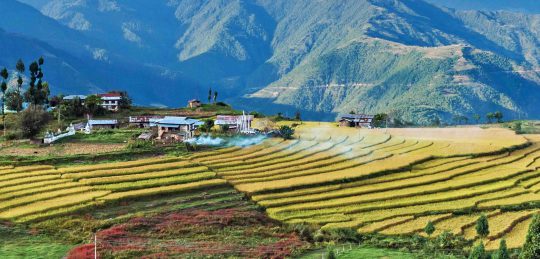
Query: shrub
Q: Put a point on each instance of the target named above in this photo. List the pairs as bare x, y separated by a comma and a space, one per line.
479, 252
139, 144
502, 253
429, 229
482, 226
330, 254
32, 120
531, 248
286, 132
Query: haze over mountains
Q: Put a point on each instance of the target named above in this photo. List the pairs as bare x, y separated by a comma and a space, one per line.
408, 57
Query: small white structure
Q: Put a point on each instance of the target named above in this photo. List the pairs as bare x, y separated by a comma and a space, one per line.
111, 101
51, 137
100, 124
241, 124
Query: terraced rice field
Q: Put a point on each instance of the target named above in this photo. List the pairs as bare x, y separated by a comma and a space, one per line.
34, 192
393, 182
387, 181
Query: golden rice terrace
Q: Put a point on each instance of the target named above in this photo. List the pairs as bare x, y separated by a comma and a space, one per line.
388, 181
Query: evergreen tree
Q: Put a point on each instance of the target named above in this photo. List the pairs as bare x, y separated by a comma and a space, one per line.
20, 69
210, 95
498, 116
477, 118
429, 228
490, 117
479, 252
531, 248
3, 86
482, 226
38, 91
297, 116
215, 96
502, 253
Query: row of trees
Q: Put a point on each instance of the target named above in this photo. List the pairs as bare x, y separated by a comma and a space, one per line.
384, 120
37, 95
531, 248
212, 96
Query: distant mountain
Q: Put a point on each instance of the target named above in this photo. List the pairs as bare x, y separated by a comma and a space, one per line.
409, 57
525, 6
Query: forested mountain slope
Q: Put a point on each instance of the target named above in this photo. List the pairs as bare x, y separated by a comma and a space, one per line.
410, 57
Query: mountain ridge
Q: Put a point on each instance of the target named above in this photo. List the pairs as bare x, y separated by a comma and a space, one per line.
313, 56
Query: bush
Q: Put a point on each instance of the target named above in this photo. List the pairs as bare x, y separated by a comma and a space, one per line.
429, 229
286, 132
502, 253
531, 248
482, 226
330, 254
139, 144
32, 120
479, 252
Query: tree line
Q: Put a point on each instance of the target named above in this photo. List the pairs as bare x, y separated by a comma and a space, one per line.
30, 120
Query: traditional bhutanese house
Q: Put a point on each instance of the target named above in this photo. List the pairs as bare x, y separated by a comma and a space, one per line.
176, 128
70, 98
194, 103
144, 121
102, 124
237, 123
356, 120
111, 101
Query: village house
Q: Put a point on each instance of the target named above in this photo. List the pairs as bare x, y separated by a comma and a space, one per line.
240, 123
111, 101
173, 128
101, 124
194, 103
144, 121
71, 98
356, 120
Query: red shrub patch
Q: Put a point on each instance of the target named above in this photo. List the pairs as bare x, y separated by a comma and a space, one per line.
82, 252
226, 232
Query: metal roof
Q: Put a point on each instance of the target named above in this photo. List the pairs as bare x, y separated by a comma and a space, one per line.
103, 122
172, 120
356, 116
73, 96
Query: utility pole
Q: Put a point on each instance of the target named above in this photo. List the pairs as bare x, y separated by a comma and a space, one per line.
95, 245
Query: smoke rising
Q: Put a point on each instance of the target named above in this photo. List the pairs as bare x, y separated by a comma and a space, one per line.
240, 141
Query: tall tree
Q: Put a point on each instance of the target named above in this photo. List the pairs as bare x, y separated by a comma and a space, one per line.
490, 117
477, 118
482, 226
3, 86
210, 95
38, 91
531, 248
215, 96
20, 70
498, 116
502, 253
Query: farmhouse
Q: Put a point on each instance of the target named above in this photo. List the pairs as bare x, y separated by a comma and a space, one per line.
356, 120
102, 124
71, 98
194, 103
144, 121
241, 123
176, 128
111, 101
